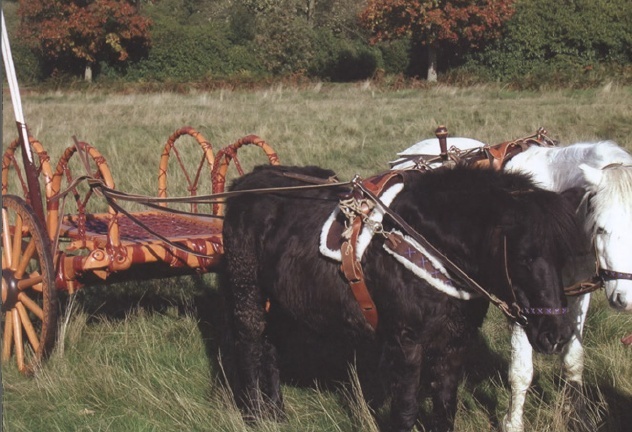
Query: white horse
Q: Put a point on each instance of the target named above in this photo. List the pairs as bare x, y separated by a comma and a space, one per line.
604, 171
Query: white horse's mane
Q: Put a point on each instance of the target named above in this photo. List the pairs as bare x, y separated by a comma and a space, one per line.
612, 199
599, 153
561, 169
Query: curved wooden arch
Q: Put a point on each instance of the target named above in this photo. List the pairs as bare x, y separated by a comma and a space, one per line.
169, 148
9, 161
229, 154
63, 172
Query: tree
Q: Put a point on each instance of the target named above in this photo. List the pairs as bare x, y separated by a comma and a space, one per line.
68, 33
431, 22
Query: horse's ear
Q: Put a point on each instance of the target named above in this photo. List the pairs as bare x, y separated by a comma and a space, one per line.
575, 196
591, 174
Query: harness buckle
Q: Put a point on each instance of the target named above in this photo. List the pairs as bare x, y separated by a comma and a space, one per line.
518, 317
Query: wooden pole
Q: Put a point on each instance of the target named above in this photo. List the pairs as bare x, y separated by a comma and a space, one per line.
35, 194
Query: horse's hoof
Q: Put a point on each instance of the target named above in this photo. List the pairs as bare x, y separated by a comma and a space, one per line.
507, 426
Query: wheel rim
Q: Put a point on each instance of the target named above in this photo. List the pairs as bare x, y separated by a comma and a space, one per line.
29, 298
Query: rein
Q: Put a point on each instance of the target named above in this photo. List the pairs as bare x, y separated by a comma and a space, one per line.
353, 272
596, 282
513, 311
111, 195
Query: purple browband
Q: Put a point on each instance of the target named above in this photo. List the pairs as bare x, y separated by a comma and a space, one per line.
544, 311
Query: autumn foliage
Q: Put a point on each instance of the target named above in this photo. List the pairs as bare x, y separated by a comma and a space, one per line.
87, 31
432, 21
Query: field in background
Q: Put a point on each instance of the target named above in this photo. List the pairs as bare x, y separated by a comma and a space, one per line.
140, 356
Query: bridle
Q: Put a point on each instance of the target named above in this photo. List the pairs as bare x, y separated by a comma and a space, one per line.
608, 275
602, 275
596, 282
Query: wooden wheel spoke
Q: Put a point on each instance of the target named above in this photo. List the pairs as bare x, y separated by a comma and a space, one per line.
17, 240
34, 281
28, 327
28, 254
199, 170
17, 339
38, 279
6, 240
7, 337
31, 305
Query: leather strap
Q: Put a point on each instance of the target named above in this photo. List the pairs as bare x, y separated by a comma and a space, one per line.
352, 270
351, 267
377, 183
500, 154
608, 275
584, 287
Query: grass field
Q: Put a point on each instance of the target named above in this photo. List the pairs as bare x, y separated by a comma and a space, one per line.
140, 356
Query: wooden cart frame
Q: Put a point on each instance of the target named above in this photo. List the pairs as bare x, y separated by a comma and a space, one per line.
98, 248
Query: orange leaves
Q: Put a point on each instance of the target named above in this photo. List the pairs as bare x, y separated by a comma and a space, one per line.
435, 20
88, 30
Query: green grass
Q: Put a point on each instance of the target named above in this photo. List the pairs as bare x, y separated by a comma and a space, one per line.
140, 356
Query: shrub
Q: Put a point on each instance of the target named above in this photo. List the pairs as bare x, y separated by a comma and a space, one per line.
28, 65
341, 60
547, 38
191, 53
396, 55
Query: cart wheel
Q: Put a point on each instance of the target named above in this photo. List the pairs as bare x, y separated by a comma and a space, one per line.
189, 167
29, 297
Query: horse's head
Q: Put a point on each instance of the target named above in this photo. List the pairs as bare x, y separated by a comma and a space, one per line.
610, 221
533, 243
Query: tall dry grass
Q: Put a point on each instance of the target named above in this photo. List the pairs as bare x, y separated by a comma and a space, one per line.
121, 367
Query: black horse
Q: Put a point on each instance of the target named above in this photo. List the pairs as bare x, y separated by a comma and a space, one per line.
274, 281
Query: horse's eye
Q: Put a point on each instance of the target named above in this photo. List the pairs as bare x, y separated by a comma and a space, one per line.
527, 260
601, 230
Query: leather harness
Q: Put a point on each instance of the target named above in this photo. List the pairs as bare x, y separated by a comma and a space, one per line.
494, 157
352, 268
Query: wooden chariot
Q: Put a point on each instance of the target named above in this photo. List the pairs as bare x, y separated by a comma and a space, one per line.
46, 249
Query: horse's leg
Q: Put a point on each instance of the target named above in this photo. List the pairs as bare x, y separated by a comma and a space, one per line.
248, 323
520, 376
446, 370
573, 354
573, 366
401, 361
271, 380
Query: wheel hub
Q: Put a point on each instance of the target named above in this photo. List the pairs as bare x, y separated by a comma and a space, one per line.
9, 290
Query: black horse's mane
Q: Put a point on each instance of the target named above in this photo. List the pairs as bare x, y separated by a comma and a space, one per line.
465, 188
